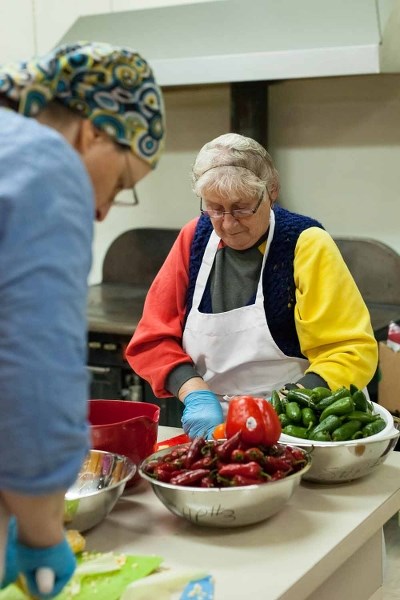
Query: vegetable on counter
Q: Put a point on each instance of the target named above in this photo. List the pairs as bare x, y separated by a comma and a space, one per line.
323, 415
255, 418
228, 463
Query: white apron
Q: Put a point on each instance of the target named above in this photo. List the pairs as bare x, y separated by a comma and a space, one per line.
234, 351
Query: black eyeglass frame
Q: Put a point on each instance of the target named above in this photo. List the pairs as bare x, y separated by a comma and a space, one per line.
134, 192
135, 201
249, 212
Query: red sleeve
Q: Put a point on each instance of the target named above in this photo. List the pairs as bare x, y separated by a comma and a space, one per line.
156, 346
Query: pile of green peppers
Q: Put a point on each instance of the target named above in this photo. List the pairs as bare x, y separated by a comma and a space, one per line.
324, 415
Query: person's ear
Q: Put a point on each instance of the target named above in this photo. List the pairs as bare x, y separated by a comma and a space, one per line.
273, 195
86, 136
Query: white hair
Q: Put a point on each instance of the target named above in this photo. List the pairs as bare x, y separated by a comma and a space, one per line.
234, 164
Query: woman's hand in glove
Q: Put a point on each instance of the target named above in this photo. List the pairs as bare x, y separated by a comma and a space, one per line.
202, 413
10, 560
59, 559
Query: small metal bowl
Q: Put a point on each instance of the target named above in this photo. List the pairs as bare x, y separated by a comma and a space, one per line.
100, 483
224, 507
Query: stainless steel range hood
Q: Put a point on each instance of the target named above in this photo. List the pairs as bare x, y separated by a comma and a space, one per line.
254, 40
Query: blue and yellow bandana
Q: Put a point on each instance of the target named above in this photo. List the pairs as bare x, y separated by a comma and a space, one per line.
113, 87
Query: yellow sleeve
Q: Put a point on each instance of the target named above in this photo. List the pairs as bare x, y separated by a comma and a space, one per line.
332, 321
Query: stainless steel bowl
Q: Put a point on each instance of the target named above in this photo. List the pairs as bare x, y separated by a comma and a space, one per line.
224, 507
340, 463
100, 483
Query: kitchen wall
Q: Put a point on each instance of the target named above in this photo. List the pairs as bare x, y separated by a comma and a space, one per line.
336, 141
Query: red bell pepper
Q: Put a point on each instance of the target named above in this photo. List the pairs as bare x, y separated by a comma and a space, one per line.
255, 418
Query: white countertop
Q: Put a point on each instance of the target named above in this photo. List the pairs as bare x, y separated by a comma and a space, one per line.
286, 557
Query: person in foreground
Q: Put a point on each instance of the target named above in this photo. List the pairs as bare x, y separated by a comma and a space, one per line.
251, 298
76, 127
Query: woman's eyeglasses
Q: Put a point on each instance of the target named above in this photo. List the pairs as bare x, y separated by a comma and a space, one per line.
237, 213
135, 199
133, 202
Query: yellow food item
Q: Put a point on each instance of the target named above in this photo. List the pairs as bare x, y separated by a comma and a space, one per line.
75, 540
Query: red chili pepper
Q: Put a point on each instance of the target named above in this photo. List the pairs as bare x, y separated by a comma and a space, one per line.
163, 474
207, 482
151, 465
194, 452
165, 466
255, 418
273, 464
189, 477
255, 454
179, 452
209, 448
238, 455
296, 454
239, 480
251, 469
203, 463
224, 450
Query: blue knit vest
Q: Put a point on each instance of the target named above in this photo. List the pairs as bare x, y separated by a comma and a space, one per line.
278, 276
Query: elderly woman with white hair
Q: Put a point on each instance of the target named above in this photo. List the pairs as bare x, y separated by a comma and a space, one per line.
251, 298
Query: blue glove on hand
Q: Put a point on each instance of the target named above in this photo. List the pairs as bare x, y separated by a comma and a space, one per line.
202, 413
10, 559
59, 558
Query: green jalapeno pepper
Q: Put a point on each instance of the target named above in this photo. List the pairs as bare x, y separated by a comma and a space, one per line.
360, 401
308, 417
321, 392
375, 427
276, 402
346, 431
359, 415
339, 407
293, 411
302, 398
329, 424
328, 400
284, 419
353, 389
322, 436
296, 431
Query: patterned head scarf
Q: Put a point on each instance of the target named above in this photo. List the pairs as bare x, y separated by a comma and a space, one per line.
113, 87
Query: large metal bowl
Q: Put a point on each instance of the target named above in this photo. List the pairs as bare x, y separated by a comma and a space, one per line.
101, 481
340, 462
343, 462
224, 507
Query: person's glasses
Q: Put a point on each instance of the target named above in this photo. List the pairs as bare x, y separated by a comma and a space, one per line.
135, 199
237, 213
133, 202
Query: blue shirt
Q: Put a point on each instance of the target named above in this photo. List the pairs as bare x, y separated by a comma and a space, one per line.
46, 223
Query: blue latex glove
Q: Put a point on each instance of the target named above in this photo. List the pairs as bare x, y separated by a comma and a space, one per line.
10, 560
202, 413
59, 558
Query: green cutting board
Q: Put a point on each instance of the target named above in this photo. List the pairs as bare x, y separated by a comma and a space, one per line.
106, 586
